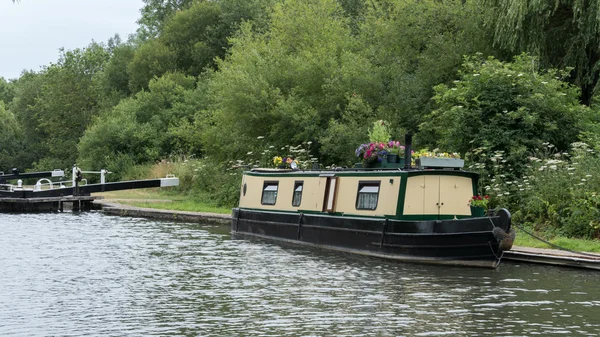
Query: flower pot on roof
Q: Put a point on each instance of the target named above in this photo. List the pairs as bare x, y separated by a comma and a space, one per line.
371, 155
434, 160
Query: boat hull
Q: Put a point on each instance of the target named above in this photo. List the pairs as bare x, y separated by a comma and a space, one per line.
465, 242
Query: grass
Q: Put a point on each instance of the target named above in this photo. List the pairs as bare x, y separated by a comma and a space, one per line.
186, 205
580, 245
162, 199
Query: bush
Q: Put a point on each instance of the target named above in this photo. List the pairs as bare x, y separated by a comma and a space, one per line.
557, 195
505, 106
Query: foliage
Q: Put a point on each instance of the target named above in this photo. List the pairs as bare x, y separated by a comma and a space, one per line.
156, 12
195, 36
65, 104
379, 132
414, 46
10, 138
505, 107
279, 81
7, 90
112, 83
560, 33
152, 59
556, 194
138, 130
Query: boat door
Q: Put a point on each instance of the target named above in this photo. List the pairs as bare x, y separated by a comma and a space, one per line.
432, 203
447, 195
330, 196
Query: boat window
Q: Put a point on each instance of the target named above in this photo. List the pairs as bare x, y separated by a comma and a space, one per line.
269, 196
297, 198
368, 195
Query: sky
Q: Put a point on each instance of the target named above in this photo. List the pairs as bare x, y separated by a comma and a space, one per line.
33, 31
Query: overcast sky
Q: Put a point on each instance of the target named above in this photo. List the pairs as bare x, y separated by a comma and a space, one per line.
32, 31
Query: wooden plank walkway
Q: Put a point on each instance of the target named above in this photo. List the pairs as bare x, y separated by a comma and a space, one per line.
553, 257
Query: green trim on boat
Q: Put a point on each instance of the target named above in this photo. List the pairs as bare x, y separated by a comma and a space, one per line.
338, 214
401, 196
426, 217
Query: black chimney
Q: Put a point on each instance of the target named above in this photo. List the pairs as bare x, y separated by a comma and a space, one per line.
407, 150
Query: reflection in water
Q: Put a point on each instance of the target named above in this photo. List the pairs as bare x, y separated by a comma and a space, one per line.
89, 274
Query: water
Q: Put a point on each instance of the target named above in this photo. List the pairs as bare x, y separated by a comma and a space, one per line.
94, 275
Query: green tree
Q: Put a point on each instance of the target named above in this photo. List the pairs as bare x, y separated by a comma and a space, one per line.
140, 129
151, 59
10, 139
197, 36
505, 106
561, 33
289, 82
27, 88
66, 104
155, 13
112, 83
415, 45
7, 90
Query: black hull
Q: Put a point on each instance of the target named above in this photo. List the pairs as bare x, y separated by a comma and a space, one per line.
466, 242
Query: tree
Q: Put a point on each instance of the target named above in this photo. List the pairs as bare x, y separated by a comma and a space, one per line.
196, 36
152, 59
7, 90
415, 45
505, 106
27, 88
560, 33
139, 129
155, 13
65, 105
287, 83
112, 83
10, 139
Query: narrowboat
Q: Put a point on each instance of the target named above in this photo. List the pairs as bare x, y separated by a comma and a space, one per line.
419, 214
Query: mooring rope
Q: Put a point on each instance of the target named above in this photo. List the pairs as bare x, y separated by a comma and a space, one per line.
554, 245
493, 252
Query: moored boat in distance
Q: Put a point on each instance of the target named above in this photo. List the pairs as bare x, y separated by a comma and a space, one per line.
407, 214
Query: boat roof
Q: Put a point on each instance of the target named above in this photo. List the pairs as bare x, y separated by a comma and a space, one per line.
357, 171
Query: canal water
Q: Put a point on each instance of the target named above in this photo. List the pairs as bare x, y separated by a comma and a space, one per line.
94, 275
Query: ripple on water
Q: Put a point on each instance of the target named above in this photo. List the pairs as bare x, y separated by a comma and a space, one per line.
89, 274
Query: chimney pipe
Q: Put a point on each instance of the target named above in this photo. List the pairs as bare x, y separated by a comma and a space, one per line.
407, 151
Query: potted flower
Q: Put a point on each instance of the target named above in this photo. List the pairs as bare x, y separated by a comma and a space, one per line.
395, 151
436, 159
479, 204
371, 154
285, 162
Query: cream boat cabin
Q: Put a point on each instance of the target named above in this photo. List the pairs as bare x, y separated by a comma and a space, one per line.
410, 215
386, 194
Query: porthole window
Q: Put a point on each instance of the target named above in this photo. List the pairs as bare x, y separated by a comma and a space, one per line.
297, 198
269, 195
368, 195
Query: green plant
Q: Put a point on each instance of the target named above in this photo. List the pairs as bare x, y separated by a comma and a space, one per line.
479, 201
380, 132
